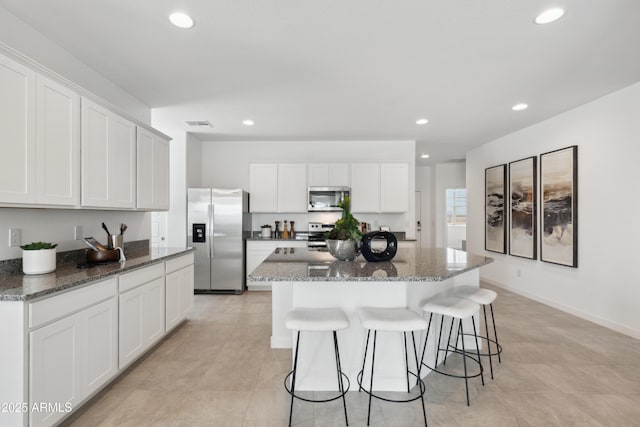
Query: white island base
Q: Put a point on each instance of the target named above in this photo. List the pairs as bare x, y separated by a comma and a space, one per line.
316, 363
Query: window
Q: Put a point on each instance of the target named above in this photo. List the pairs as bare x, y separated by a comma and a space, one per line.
457, 206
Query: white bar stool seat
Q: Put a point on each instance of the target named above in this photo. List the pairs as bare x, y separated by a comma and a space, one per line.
392, 319
457, 309
317, 320
483, 297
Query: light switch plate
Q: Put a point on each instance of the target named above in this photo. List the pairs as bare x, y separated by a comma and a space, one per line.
77, 232
15, 237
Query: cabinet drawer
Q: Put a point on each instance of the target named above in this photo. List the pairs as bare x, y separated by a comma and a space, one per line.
178, 263
49, 309
140, 277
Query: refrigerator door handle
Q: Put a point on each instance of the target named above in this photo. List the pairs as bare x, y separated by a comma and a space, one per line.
211, 232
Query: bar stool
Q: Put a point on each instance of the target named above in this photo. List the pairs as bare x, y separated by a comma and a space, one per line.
393, 320
483, 297
457, 309
317, 320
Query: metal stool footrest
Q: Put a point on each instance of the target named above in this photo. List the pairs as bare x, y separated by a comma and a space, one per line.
491, 353
420, 382
465, 354
346, 389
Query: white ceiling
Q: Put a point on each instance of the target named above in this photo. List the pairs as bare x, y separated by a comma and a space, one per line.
352, 69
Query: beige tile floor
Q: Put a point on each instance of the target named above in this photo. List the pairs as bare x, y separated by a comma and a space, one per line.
218, 370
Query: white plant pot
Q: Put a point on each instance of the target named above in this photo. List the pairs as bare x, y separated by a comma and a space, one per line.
266, 233
40, 261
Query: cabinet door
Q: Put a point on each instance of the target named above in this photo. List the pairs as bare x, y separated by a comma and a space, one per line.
339, 175
292, 187
365, 187
100, 362
57, 144
55, 368
186, 291
263, 187
122, 162
394, 187
317, 175
152, 171
179, 295
17, 132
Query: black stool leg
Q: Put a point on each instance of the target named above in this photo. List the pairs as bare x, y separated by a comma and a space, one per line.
495, 334
424, 349
415, 353
439, 337
464, 361
339, 369
364, 359
406, 361
446, 351
293, 380
486, 328
373, 359
475, 334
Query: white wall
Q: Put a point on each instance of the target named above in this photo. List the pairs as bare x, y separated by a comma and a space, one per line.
226, 164
424, 184
605, 287
22, 39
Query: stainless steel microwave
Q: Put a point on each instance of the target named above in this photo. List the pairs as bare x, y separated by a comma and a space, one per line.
326, 199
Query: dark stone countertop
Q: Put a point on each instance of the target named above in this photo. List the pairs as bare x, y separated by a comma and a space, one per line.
20, 287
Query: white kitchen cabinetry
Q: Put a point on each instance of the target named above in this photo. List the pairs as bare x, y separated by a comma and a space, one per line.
108, 158
17, 132
178, 290
152, 171
73, 348
263, 187
394, 187
57, 144
292, 187
141, 311
365, 187
278, 187
328, 175
259, 250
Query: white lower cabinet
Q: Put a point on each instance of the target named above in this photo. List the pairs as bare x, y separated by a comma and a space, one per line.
72, 357
179, 296
141, 320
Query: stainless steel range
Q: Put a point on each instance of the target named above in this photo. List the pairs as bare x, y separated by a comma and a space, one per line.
316, 235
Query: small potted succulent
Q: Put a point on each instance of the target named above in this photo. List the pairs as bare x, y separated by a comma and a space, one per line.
343, 241
38, 258
266, 231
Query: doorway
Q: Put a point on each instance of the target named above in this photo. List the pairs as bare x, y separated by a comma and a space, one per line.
456, 214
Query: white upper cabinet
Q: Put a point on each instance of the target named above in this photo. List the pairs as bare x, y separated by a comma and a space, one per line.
365, 187
328, 175
394, 187
263, 187
57, 144
17, 132
152, 171
108, 158
292, 187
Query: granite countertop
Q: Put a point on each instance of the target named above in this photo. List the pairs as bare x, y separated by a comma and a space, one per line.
20, 287
410, 264
303, 236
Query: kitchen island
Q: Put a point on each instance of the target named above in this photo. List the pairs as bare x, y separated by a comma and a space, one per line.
305, 278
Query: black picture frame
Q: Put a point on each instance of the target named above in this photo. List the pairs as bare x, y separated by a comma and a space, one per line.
495, 209
559, 206
523, 206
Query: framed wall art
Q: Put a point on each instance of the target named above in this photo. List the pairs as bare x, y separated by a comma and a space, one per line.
522, 207
559, 211
495, 209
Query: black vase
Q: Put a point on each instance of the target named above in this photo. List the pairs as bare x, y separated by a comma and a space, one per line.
387, 254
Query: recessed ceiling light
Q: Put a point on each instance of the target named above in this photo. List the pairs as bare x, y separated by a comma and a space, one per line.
424, 156
422, 121
520, 107
549, 15
248, 122
181, 20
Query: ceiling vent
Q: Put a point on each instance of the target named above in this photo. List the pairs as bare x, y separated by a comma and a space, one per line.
199, 123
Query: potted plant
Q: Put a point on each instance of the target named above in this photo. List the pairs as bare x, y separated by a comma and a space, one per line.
266, 231
38, 258
344, 240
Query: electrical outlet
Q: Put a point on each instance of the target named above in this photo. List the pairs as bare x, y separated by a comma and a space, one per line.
15, 237
518, 273
77, 232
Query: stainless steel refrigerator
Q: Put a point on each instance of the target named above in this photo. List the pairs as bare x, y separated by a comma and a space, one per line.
218, 220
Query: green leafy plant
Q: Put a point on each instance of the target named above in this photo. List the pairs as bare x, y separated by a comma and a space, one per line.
36, 246
265, 226
347, 227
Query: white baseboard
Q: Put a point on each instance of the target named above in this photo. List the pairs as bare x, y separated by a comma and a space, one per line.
623, 329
